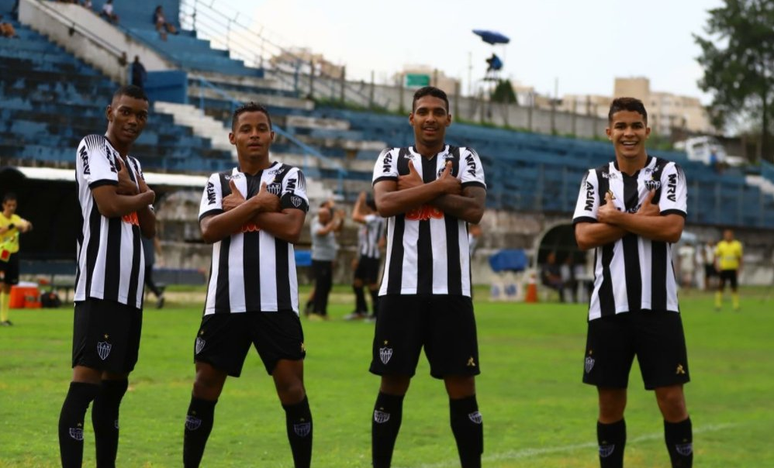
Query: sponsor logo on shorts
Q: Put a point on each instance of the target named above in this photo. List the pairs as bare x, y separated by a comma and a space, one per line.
680, 369
606, 450
684, 449
475, 417
381, 417
199, 344
471, 362
192, 423
589, 364
385, 354
76, 433
103, 349
302, 429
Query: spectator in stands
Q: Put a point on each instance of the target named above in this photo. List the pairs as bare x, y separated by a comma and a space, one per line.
551, 275
151, 248
87, 4
138, 73
162, 26
108, 13
11, 225
7, 29
324, 252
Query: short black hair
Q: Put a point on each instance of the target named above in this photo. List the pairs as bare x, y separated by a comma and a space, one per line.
10, 196
132, 91
627, 104
429, 91
249, 107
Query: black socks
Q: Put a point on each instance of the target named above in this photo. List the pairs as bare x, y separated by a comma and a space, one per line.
71, 419
198, 425
388, 413
298, 418
679, 442
104, 417
612, 440
468, 429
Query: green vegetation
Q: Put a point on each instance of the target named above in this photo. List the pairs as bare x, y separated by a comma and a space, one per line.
536, 411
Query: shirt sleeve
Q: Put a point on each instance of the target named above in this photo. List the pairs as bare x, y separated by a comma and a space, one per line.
588, 199
294, 191
674, 196
95, 164
212, 198
471, 169
386, 167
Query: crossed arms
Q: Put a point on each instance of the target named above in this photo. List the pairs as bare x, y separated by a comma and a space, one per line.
114, 201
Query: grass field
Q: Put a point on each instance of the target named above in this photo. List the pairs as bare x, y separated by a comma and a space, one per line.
536, 411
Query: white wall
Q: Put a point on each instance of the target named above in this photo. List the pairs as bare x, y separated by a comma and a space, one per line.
43, 18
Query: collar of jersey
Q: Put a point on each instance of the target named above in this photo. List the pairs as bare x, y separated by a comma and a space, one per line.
239, 170
648, 162
443, 152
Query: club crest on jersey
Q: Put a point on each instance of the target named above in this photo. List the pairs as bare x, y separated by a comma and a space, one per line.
381, 417
192, 423
684, 449
76, 433
589, 364
302, 429
296, 201
475, 417
385, 354
652, 184
606, 450
274, 188
199, 345
103, 349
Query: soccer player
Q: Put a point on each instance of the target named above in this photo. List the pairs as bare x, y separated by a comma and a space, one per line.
428, 192
728, 264
251, 215
11, 225
370, 238
115, 212
631, 211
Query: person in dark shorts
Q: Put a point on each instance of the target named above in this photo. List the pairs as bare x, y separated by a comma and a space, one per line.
11, 227
632, 210
370, 241
428, 192
115, 211
251, 215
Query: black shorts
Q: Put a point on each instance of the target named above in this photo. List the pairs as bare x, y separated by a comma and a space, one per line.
656, 338
709, 270
106, 335
368, 270
10, 270
728, 275
223, 340
443, 324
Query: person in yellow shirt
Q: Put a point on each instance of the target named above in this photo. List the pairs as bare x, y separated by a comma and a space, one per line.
11, 225
728, 263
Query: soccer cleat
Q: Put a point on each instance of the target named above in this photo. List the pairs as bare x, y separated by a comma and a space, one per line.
160, 302
315, 317
6, 323
355, 316
308, 309
370, 319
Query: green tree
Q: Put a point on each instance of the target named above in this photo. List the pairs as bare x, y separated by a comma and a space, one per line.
738, 60
503, 92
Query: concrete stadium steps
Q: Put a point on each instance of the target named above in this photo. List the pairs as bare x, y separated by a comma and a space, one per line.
766, 186
201, 124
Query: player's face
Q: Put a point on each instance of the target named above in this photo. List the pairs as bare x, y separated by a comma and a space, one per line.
252, 136
628, 132
728, 235
430, 119
9, 207
127, 117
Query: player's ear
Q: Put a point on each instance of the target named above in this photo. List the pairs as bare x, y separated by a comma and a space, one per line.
448, 119
272, 136
411, 118
109, 113
647, 132
609, 133
231, 138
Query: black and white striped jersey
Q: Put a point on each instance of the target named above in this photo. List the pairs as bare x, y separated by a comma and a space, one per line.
253, 271
427, 250
111, 263
633, 273
368, 236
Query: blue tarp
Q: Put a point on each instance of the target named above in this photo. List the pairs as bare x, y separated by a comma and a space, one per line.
509, 260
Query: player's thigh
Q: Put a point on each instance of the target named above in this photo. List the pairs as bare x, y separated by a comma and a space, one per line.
451, 345
223, 341
661, 350
370, 270
609, 351
11, 270
106, 335
399, 334
276, 336
733, 278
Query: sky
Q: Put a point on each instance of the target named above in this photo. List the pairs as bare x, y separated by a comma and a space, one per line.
582, 44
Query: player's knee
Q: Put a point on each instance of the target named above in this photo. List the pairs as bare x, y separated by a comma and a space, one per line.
671, 401
358, 283
395, 384
290, 391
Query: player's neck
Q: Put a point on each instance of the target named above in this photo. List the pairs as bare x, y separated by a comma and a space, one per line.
630, 166
7, 214
254, 166
123, 150
429, 150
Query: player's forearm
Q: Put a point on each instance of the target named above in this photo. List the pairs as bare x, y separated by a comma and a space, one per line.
147, 219
400, 201
657, 228
220, 226
280, 225
592, 235
121, 205
462, 207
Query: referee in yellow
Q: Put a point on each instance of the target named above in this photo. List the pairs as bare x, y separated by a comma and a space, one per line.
11, 225
728, 263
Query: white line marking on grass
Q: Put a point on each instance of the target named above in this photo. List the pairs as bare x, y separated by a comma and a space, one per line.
535, 452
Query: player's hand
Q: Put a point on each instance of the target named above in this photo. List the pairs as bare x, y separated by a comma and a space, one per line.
410, 180
125, 184
233, 199
142, 184
647, 208
607, 213
268, 202
451, 185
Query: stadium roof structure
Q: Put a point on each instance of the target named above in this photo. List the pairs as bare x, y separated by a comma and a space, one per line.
152, 178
